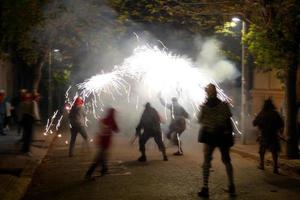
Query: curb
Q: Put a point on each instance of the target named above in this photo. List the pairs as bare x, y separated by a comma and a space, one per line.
19, 190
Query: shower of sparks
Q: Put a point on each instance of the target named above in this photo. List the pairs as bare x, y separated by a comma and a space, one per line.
50, 123
155, 71
102, 83
167, 74
58, 123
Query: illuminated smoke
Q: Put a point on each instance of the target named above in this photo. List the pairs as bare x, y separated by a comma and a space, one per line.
149, 71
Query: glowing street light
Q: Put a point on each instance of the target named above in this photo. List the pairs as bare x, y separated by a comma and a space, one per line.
236, 19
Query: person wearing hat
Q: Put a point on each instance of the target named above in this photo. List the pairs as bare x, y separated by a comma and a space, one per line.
178, 123
77, 118
216, 132
150, 124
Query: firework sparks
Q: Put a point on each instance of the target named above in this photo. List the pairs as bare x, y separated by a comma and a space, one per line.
158, 72
107, 83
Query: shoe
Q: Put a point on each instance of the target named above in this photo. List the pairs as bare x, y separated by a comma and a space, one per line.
275, 171
29, 154
165, 158
231, 191
89, 178
104, 171
261, 167
178, 153
142, 159
203, 192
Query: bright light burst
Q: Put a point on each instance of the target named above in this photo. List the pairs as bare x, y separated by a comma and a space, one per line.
162, 72
102, 83
157, 71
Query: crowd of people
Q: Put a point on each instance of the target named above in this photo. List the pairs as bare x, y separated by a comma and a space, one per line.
214, 117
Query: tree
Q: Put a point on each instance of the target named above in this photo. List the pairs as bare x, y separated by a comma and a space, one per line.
32, 29
274, 40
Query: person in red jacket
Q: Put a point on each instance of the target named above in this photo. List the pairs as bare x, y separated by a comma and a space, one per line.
108, 125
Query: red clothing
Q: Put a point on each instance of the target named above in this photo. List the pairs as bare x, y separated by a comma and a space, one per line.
108, 125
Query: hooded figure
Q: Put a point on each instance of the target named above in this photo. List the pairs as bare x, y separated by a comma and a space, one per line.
270, 124
178, 123
108, 125
150, 124
77, 120
216, 131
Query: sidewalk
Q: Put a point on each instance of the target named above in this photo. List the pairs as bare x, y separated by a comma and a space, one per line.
250, 150
16, 169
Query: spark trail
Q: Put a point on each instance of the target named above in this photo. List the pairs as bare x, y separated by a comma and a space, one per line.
151, 69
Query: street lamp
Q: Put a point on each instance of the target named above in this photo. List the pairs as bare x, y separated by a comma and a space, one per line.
236, 19
243, 83
50, 80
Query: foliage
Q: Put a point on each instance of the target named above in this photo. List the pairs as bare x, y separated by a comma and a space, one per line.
31, 29
194, 15
273, 37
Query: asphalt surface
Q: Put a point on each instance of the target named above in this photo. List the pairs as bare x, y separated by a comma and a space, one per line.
61, 177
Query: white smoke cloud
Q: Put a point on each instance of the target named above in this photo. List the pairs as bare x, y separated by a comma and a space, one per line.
213, 62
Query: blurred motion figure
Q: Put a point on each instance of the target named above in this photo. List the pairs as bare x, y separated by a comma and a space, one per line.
107, 126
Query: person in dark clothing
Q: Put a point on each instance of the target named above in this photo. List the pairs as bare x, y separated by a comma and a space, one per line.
77, 120
20, 99
108, 125
216, 131
28, 115
150, 124
270, 124
178, 123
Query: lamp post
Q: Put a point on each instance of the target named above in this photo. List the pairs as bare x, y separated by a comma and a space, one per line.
244, 80
244, 109
50, 103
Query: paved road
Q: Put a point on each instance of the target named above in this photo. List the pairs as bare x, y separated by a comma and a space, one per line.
61, 177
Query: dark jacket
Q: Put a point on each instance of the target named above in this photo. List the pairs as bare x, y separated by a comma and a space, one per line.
149, 122
216, 128
269, 123
77, 116
177, 111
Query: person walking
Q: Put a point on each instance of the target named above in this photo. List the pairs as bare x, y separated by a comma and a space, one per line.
216, 132
108, 125
150, 124
77, 118
178, 123
270, 123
